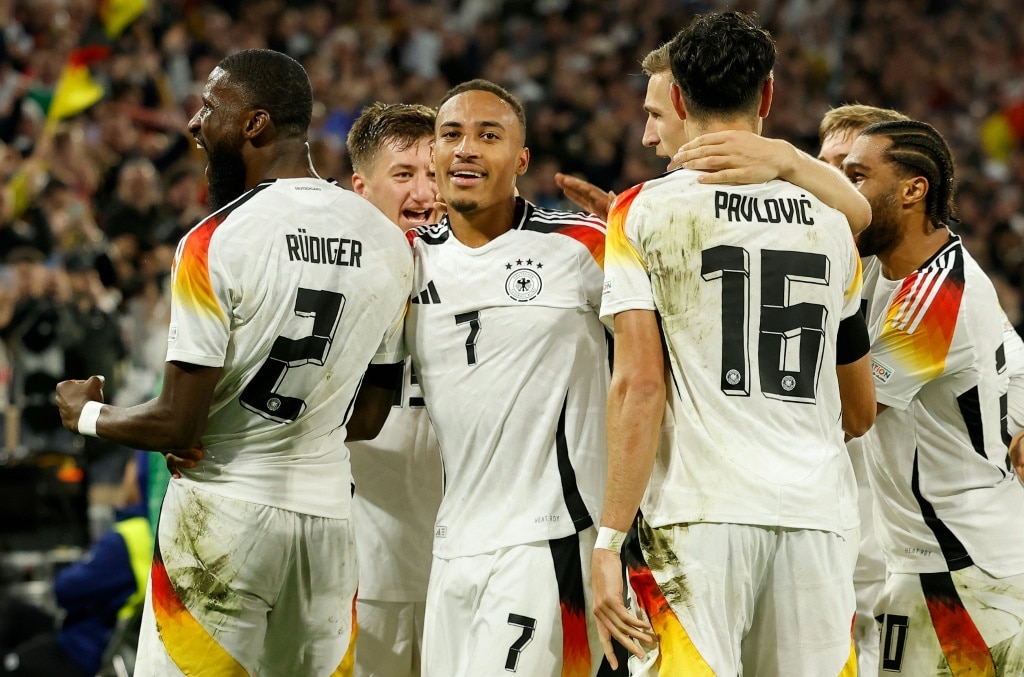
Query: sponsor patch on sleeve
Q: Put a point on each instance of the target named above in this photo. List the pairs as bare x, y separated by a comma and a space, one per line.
881, 371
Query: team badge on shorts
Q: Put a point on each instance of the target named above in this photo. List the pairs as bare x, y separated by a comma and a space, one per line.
523, 283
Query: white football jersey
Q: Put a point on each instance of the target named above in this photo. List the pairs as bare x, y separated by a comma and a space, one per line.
398, 489
751, 283
945, 497
513, 363
292, 288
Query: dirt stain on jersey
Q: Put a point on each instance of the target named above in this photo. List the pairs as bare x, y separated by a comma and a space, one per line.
204, 580
1008, 656
661, 559
674, 252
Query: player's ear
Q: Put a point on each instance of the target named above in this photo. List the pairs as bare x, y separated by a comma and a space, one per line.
358, 184
256, 123
913, 190
766, 97
677, 100
523, 161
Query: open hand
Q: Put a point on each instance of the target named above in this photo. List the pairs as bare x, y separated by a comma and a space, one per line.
613, 618
586, 195
735, 157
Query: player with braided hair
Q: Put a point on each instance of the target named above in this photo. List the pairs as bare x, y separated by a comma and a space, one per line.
946, 498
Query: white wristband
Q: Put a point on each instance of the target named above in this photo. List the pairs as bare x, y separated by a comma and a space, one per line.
609, 539
87, 419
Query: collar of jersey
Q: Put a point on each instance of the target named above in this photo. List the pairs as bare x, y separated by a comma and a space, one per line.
267, 182
520, 216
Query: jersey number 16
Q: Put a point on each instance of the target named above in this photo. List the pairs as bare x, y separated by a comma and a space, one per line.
790, 341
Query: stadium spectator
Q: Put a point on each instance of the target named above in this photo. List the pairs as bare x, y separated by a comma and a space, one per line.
94, 594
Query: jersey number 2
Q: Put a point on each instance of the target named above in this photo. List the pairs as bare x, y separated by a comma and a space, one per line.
791, 339
261, 395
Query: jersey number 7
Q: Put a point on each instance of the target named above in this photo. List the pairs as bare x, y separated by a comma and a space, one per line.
261, 395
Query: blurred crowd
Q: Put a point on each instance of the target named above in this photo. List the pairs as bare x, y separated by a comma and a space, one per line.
91, 209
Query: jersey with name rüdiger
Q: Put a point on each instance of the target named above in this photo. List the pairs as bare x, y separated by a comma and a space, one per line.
293, 288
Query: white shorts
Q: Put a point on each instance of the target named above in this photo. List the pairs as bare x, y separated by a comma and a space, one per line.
390, 640
524, 610
733, 599
952, 623
239, 588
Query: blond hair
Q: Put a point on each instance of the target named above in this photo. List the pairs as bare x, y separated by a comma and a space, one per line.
855, 117
657, 60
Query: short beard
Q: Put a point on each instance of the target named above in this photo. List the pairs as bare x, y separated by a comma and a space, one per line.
884, 233
227, 175
464, 206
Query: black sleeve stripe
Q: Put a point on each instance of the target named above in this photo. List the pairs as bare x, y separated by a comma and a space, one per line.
852, 342
387, 376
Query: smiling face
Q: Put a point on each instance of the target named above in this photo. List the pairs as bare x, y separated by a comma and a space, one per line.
664, 131
401, 184
217, 128
478, 151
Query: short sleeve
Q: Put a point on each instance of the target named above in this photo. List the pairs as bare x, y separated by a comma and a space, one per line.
392, 348
201, 291
853, 283
1013, 362
627, 282
916, 344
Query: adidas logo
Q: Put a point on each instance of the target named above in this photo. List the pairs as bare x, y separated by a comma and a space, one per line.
428, 295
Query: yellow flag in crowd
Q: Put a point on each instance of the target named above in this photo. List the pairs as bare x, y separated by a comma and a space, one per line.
76, 89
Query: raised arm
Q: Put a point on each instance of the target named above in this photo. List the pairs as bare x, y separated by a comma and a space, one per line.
744, 157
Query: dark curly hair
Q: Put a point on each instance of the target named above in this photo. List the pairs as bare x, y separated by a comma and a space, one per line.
721, 62
276, 83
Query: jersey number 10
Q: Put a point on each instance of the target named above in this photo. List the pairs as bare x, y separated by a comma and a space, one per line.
790, 341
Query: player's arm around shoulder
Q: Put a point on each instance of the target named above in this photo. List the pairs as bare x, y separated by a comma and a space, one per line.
744, 157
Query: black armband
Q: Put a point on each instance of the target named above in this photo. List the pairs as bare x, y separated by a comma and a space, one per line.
386, 376
852, 342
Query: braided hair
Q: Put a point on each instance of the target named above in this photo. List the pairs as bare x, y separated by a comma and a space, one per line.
920, 150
